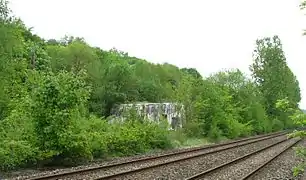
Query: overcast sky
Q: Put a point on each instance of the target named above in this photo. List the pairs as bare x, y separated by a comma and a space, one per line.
209, 35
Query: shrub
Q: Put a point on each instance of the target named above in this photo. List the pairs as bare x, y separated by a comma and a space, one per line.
58, 103
215, 133
124, 138
194, 129
17, 136
96, 130
15, 153
134, 137
277, 125
237, 129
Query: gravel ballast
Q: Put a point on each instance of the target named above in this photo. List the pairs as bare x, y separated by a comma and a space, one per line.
243, 167
186, 168
137, 165
281, 167
27, 173
131, 166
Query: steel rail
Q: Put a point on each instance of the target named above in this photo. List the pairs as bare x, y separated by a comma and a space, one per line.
123, 173
214, 169
267, 162
87, 170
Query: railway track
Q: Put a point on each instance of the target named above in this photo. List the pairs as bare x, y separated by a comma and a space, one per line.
246, 166
123, 169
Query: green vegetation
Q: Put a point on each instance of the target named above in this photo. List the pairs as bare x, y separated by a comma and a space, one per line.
56, 97
299, 117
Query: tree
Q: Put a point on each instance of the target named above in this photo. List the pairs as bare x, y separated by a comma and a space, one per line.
59, 102
246, 98
56, 97
192, 71
12, 62
273, 77
299, 118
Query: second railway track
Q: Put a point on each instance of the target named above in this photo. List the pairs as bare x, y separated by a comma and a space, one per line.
124, 169
244, 167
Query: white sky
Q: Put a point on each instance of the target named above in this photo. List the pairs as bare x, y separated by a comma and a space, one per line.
209, 35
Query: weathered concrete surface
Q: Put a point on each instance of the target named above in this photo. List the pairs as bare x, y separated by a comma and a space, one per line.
172, 112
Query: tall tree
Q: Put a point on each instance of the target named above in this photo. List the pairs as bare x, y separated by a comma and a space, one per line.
273, 76
246, 98
11, 60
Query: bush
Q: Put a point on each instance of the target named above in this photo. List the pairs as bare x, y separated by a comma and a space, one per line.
194, 129
55, 130
97, 133
58, 104
237, 129
215, 133
136, 137
16, 153
75, 147
17, 137
124, 138
277, 125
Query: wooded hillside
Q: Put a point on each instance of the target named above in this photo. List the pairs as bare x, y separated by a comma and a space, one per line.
56, 95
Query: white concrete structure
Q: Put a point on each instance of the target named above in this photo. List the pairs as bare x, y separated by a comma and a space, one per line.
173, 112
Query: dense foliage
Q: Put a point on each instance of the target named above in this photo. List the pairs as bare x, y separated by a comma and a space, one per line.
56, 97
299, 118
